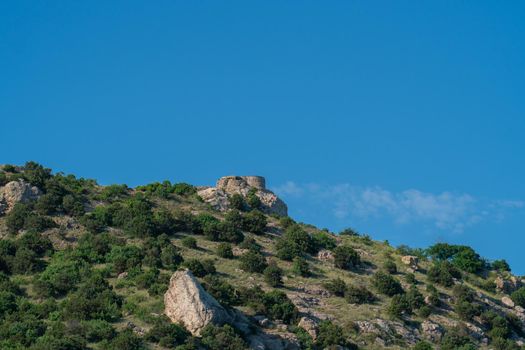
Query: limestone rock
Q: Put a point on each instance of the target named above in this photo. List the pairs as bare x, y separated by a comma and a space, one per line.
507, 285
186, 302
325, 255
410, 261
432, 331
17, 192
507, 302
309, 325
218, 196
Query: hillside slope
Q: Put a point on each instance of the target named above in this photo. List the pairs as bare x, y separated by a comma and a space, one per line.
84, 266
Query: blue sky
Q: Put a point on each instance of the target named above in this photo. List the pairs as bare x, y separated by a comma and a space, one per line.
402, 119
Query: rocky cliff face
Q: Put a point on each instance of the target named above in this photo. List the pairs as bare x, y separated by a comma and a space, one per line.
227, 186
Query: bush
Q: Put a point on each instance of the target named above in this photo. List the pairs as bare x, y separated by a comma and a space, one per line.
386, 284
279, 307
294, 242
358, 295
456, 339
252, 200
170, 257
125, 258
390, 267
423, 345
300, 267
462, 257
410, 278
399, 306
237, 202
273, 275
415, 298
97, 330
228, 233
330, 336
224, 250
167, 334
286, 222
443, 273
336, 287
346, 257
323, 240
221, 290
189, 242
424, 311
60, 276
518, 297
36, 174
16, 217
125, 340
349, 232
253, 261
200, 268
114, 192
222, 338
254, 222
500, 265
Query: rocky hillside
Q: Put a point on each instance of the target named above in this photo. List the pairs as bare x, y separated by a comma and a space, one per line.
164, 266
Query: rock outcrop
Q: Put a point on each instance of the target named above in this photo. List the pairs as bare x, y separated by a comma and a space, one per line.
219, 196
310, 326
17, 192
411, 261
186, 302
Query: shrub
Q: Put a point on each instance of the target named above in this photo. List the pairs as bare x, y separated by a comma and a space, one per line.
200, 268
253, 261
170, 257
251, 244
125, 258
221, 338
415, 298
462, 257
16, 217
349, 232
221, 290
443, 273
228, 233
518, 297
167, 334
252, 200
237, 202
279, 307
330, 336
456, 339
273, 275
254, 222
300, 267
97, 330
286, 222
336, 287
234, 218
423, 345
358, 295
390, 267
399, 306
184, 189
114, 192
386, 284
500, 265
36, 174
125, 340
224, 250
323, 240
410, 278
60, 276
189, 242
38, 223
424, 311
294, 242
346, 257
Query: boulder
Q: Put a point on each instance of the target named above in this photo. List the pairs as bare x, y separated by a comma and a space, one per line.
325, 255
410, 261
218, 196
17, 192
507, 285
507, 302
186, 302
432, 331
310, 326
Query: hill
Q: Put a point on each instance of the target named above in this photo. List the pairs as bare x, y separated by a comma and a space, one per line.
162, 266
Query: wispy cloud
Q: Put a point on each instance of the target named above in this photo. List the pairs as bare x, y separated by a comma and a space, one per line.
446, 210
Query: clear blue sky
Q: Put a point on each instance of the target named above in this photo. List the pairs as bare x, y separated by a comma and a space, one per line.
403, 119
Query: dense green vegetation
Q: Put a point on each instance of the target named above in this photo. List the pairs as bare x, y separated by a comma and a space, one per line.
84, 264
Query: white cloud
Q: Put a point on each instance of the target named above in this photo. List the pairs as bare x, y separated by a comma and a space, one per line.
446, 210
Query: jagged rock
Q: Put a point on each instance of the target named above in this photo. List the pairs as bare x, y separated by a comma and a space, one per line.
325, 255
388, 330
136, 329
507, 285
410, 261
432, 331
519, 309
122, 275
239, 251
17, 192
186, 302
309, 325
507, 302
269, 341
475, 331
263, 321
218, 196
